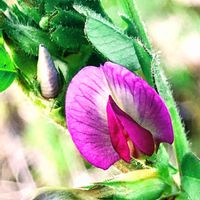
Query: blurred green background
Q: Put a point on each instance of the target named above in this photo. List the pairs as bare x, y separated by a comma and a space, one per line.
34, 152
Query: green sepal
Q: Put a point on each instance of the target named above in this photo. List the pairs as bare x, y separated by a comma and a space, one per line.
149, 189
160, 161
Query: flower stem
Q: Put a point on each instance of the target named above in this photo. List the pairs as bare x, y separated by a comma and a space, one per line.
181, 145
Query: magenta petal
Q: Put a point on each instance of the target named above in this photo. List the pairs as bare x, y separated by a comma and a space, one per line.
141, 138
116, 133
138, 107
86, 102
141, 102
153, 113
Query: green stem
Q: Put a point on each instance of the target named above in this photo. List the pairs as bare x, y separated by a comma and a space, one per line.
181, 144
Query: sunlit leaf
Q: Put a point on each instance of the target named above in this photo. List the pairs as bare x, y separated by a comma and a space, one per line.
7, 72
6, 78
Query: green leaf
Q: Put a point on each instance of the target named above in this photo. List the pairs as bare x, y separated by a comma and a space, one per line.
17, 16
32, 9
26, 63
191, 166
7, 72
192, 187
6, 78
191, 176
51, 5
77, 60
112, 43
128, 8
114, 9
183, 196
94, 5
66, 18
125, 15
29, 38
180, 141
3, 5
115, 45
68, 38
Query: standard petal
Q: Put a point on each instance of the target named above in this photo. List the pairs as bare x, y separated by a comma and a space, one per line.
141, 102
141, 138
86, 102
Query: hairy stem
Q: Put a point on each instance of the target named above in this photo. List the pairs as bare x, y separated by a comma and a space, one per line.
181, 145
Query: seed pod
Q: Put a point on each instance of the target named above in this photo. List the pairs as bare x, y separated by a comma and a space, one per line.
47, 74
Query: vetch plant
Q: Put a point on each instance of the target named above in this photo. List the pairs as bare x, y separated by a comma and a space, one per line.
122, 110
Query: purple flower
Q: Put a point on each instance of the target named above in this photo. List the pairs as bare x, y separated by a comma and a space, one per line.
113, 114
